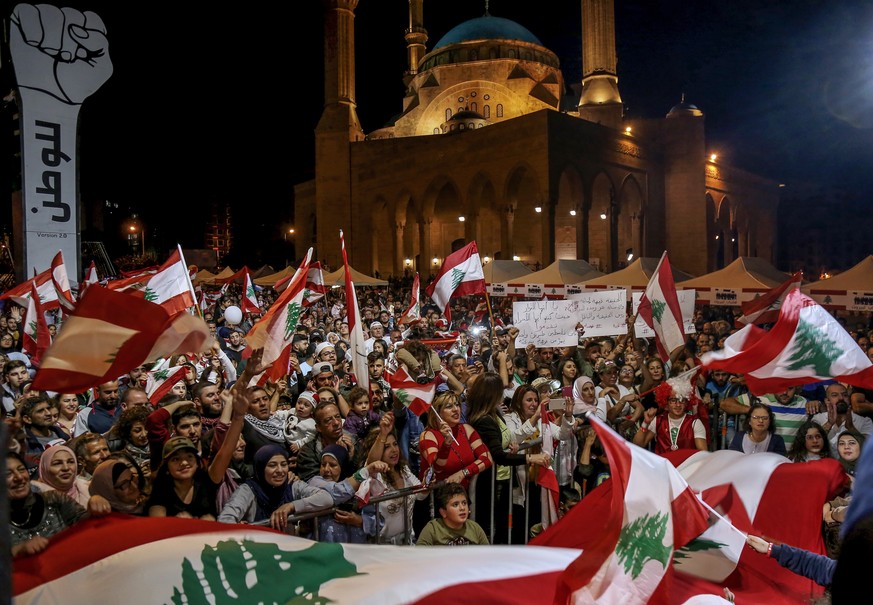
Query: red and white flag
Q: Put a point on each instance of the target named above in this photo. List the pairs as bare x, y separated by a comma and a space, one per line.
417, 397
806, 345
749, 492
250, 297
358, 347
169, 287
91, 277
412, 315
659, 307
460, 275
175, 560
48, 296
315, 288
275, 329
109, 334
61, 283
160, 381
653, 513
36, 337
765, 308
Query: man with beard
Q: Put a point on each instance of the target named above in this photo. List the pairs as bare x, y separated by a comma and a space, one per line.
100, 415
263, 426
329, 431
839, 416
206, 399
789, 408
39, 414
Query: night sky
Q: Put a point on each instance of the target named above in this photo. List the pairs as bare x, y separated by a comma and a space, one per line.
208, 104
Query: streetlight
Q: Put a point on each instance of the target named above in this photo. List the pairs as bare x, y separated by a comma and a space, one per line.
141, 233
285, 234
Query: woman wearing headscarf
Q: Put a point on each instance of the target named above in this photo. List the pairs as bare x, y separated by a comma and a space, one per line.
59, 471
120, 486
346, 524
271, 495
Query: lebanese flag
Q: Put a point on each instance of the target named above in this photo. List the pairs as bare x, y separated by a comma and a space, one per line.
806, 345
238, 276
36, 338
547, 479
109, 334
357, 343
169, 287
274, 331
45, 288
160, 381
250, 299
659, 307
765, 309
61, 283
460, 275
412, 315
751, 492
416, 397
653, 513
314, 284
91, 277
175, 560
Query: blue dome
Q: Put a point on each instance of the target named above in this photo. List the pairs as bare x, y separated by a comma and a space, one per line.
487, 28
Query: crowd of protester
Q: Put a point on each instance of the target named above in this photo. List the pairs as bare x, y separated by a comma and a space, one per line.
298, 453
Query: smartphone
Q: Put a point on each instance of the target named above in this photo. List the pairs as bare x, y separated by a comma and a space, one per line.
557, 404
567, 391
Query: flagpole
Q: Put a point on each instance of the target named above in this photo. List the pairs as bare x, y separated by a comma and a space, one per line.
490, 314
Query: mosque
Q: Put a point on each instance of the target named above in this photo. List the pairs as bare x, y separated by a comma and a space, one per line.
490, 147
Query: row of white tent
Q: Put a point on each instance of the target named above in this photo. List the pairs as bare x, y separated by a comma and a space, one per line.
743, 280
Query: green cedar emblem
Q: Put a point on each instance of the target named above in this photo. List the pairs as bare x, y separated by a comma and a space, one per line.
111, 358
698, 545
162, 374
813, 348
250, 292
150, 295
828, 300
241, 572
31, 329
658, 307
403, 396
457, 278
642, 540
291, 319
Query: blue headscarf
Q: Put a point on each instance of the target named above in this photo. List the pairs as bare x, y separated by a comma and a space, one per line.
268, 497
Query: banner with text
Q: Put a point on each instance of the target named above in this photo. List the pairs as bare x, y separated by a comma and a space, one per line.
546, 323
603, 313
686, 303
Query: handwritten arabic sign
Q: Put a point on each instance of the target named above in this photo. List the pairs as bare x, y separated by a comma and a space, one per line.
546, 323
603, 313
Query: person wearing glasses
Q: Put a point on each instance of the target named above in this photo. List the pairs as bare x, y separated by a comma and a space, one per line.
760, 434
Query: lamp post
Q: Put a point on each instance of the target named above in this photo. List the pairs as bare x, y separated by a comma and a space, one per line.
141, 232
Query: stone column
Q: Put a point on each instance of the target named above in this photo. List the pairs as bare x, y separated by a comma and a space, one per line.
398, 248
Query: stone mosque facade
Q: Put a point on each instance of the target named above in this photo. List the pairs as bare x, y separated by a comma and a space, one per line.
488, 148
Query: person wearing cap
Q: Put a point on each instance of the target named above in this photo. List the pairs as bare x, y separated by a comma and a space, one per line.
270, 495
377, 332
324, 351
182, 486
300, 427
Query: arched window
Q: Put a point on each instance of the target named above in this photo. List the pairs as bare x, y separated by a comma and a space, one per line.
500, 110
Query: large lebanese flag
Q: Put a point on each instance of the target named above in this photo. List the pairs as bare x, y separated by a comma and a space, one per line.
36, 338
765, 308
109, 334
416, 397
148, 560
169, 287
806, 345
274, 331
357, 347
653, 512
659, 307
460, 275
764, 494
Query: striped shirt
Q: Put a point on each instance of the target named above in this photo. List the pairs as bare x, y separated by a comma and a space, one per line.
789, 416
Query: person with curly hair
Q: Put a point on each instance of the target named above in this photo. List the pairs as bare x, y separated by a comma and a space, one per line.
129, 433
810, 443
676, 429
